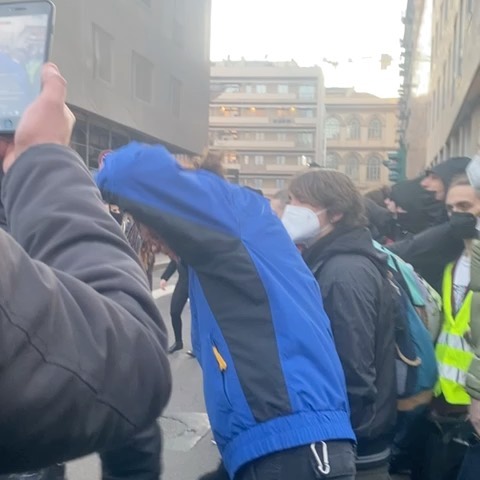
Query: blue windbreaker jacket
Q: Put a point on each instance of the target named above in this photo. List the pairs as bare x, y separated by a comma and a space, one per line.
272, 377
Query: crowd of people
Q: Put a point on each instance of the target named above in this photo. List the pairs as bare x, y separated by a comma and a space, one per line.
338, 335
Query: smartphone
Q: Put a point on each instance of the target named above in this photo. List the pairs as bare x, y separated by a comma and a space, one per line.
26, 31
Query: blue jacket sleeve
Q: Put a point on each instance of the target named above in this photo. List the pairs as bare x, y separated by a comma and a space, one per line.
189, 209
151, 177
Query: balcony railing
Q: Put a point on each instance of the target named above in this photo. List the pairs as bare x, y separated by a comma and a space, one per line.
254, 144
261, 144
276, 121
255, 97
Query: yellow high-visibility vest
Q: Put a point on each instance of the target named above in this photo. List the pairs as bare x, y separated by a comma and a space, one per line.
454, 353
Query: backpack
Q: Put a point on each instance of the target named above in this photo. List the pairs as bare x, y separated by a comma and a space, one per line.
425, 299
418, 321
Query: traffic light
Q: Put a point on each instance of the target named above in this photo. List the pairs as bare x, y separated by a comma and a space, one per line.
396, 165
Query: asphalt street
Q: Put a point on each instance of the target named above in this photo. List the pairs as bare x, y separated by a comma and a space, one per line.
188, 449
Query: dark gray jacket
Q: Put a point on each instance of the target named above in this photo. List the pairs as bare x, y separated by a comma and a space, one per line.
357, 297
82, 344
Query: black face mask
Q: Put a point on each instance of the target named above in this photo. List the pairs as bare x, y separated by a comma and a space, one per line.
464, 225
411, 223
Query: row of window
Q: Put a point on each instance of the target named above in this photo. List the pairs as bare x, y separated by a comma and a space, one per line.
333, 160
280, 112
441, 27
352, 166
280, 183
259, 160
304, 92
89, 139
373, 174
300, 138
142, 71
333, 128
451, 70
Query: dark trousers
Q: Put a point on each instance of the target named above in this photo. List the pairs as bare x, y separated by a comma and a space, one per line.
56, 472
470, 469
447, 454
408, 451
380, 473
139, 459
301, 464
179, 300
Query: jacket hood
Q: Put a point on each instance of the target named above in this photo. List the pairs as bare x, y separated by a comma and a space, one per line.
377, 215
421, 207
350, 241
449, 169
407, 194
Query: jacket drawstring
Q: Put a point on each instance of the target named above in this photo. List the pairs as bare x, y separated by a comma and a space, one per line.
323, 467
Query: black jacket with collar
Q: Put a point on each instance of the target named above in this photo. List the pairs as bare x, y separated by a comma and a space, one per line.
357, 297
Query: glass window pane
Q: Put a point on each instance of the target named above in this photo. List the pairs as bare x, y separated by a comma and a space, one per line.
375, 129
307, 92
119, 140
373, 169
102, 54
354, 129
352, 167
142, 78
332, 128
332, 161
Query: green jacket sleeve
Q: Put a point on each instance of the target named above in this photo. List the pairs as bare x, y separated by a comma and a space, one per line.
473, 377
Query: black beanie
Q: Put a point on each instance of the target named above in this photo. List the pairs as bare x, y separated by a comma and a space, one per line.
450, 169
407, 194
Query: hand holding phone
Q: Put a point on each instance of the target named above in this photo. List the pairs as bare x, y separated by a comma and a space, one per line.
26, 30
47, 120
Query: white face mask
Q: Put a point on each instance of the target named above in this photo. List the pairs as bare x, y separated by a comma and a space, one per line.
302, 224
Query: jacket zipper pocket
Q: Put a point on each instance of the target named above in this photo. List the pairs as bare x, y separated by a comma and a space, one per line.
222, 366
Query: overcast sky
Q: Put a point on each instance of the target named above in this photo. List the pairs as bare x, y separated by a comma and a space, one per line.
310, 31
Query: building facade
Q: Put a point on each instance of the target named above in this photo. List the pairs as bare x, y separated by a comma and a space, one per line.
453, 106
136, 70
360, 131
271, 120
268, 120
454, 109
414, 92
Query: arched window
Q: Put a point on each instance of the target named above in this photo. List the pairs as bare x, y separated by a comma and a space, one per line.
332, 128
375, 129
332, 161
373, 169
353, 129
352, 167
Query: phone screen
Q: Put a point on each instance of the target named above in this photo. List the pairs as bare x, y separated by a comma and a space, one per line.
25, 31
